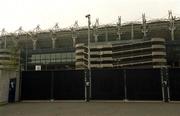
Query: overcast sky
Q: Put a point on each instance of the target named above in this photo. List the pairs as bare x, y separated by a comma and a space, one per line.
29, 13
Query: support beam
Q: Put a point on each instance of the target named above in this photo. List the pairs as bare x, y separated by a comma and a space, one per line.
106, 34
132, 31
17, 34
144, 26
53, 42
34, 43
172, 24
119, 28
3, 34
34, 37
53, 34
74, 30
74, 41
95, 30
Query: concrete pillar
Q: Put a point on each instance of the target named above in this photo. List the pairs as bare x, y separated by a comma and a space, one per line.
132, 31
106, 34
172, 34
4, 87
53, 43
119, 36
34, 43
74, 41
96, 38
5, 76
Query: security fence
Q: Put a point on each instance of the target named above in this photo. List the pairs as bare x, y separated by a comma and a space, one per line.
161, 84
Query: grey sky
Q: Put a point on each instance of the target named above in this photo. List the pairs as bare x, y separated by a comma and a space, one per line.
29, 13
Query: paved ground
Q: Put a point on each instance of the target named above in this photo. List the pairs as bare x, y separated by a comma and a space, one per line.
91, 109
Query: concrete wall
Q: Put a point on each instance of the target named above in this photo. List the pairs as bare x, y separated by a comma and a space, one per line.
5, 76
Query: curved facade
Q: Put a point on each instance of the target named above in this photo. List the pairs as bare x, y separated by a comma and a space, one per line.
140, 53
150, 53
9, 59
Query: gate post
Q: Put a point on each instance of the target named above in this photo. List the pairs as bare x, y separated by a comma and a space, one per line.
165, 84
52, 86
125, 85
87, 86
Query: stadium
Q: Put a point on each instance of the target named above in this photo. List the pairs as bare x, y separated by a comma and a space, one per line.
147, 44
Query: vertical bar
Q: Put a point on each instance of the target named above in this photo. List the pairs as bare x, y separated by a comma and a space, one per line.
168, 93
85, 79
106, 34
162, 84
90, 84
52, 85
87, 86
26, 57
20, 85
132, 31
5, 42
165, 85
89, 61
125, 85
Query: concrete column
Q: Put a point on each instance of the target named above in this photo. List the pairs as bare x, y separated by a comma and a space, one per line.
106, 34
132, 31
74, 41
34, 43
5, 76
172, 34
4, 87
96, 38
119, 36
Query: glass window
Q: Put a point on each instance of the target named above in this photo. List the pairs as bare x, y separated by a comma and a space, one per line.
38, 56
43, 57
53, 58
33, 57
48, 56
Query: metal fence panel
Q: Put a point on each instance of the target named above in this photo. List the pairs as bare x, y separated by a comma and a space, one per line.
69, 85
144, 84
36, 85
174, 81
107, 84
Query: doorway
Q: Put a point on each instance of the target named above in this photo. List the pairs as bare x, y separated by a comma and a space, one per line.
12, 90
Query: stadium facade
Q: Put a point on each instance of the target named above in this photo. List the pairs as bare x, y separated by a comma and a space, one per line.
146, 44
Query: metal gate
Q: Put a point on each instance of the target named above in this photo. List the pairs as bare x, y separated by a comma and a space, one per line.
107, 84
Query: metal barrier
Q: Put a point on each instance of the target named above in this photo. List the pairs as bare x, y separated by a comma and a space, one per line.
160, 84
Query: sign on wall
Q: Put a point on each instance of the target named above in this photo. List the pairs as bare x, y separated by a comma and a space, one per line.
38, 67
